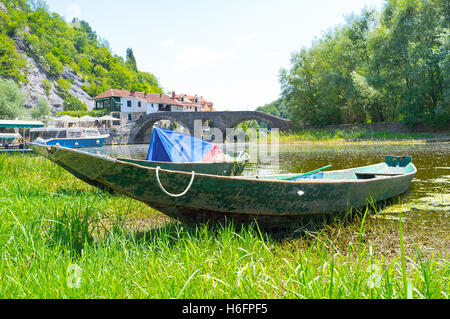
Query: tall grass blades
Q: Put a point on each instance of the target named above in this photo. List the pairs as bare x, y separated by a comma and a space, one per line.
61, 238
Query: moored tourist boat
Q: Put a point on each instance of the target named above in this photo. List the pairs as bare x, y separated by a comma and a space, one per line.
271, 200
12, 143
74, 137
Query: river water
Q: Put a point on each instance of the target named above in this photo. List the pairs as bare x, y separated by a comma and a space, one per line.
429, 196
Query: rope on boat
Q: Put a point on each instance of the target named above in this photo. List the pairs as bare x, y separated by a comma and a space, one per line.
174, 195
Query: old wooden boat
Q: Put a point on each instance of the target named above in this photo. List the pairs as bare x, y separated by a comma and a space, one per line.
271, 200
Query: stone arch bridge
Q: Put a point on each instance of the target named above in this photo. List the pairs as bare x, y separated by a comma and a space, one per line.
141, 132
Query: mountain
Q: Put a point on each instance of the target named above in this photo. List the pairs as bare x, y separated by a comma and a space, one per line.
66, 63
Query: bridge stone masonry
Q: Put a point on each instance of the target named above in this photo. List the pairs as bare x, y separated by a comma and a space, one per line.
142, 130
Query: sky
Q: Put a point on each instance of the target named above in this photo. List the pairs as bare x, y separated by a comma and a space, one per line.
230, 52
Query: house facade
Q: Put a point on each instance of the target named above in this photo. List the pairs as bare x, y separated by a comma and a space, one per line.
191, 102
129, 106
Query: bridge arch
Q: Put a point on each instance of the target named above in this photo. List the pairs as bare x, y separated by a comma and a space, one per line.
271, 120
141, 131
144, 126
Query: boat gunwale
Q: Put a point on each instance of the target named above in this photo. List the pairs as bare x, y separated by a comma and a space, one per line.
179, 163
245, 178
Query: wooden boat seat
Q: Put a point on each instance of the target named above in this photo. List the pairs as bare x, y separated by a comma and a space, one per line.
369, 175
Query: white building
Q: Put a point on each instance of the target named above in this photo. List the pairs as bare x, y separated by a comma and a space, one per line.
128, 106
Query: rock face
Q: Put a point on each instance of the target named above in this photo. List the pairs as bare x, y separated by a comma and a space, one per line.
34, 88
75, 89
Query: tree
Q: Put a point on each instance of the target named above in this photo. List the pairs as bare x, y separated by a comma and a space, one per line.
42, 110
71, 103
37, 5
277, 108
387, 66
11, 100
131, 60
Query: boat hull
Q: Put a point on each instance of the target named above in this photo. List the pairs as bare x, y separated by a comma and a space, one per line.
242, 199
77, 142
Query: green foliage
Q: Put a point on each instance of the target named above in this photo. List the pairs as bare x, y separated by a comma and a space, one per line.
11, 100
380, 66
42, 110
52, 65
71, 103
11, 64
36, 5
56, 45
47, 85
277, 108
131, 60
63, 87
93, 113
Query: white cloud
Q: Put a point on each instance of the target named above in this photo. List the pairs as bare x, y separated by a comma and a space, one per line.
244, 38
73, 10
190, 57
168, 43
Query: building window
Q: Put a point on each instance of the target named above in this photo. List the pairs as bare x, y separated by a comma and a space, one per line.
129, 103
139, 104
129, 117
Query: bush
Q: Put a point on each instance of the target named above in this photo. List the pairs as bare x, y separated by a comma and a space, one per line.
11, 100
71, 103
11, 64
47, 85
42, 110
52, 65
93, 113
63, 87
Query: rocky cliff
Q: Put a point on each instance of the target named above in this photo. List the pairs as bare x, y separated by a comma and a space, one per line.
35, 75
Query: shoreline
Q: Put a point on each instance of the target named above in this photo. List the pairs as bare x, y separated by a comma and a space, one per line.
357, 136
368, 141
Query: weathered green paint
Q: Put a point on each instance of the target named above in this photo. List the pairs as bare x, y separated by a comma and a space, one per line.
234, 168
269, 200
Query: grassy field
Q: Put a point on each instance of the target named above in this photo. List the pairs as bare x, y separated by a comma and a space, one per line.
61, 238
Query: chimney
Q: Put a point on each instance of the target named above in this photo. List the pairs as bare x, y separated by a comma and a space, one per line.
173, 95
145, 94
160, 95
132, 93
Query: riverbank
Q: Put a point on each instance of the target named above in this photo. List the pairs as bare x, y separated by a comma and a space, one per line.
356, 135
61, 238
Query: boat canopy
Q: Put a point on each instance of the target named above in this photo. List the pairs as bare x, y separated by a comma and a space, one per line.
20, 123
10, 136
171, 146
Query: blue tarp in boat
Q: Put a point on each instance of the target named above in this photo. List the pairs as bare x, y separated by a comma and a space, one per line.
171, 146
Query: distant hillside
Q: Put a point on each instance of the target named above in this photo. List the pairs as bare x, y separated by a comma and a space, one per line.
67, 63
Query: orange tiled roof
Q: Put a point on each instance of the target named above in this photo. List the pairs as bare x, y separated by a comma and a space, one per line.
189, 101
149, 97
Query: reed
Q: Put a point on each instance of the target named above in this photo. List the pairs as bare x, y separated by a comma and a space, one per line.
61, 238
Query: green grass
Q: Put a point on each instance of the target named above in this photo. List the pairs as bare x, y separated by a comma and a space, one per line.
352, 135
61, 238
